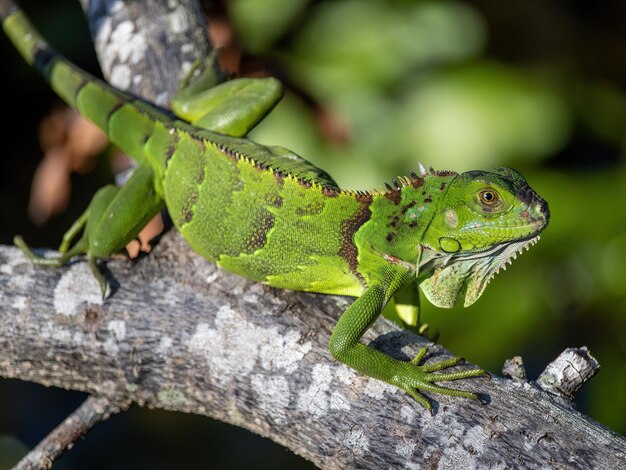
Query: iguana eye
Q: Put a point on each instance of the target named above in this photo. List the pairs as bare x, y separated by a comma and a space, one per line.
489, 197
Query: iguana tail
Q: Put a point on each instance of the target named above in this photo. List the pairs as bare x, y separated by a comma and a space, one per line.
126, 120
65, 78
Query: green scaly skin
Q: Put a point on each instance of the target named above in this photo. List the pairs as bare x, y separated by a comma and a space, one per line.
269, 215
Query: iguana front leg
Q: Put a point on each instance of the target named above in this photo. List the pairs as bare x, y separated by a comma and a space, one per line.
345, 346
233, 107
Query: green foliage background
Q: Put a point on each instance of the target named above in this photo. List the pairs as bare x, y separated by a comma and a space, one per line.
376, 86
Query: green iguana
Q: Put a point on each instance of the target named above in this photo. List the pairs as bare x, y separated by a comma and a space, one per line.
269, 215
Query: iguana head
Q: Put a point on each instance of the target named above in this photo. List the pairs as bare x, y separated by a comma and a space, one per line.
483, 221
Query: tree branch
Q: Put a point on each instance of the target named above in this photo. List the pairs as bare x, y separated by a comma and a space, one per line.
180, 334
147, 47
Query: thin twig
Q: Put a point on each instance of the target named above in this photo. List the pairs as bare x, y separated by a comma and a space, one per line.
91, 412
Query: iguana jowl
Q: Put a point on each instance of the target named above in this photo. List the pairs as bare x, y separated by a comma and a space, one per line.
267, 214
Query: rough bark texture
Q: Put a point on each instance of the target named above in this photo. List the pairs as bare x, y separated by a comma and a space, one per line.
568, 373
147, 47
178, 333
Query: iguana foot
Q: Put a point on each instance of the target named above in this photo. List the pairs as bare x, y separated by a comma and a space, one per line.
63, 259
414, 376
52, 261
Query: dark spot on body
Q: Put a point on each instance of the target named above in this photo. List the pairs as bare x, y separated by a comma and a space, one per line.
186, 212
187, 215
349, 227
278, 201
258, 237
428, 199
395, 221
172, 147
169, 152
408, 206
200, 175
413, 224
390, 236
443, 186
394, 196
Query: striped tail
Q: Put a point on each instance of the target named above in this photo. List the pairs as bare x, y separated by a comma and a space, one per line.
64, 78
126, 120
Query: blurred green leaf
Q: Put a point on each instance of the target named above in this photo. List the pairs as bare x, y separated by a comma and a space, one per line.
350, 45
602, 107
484, 114
260, 24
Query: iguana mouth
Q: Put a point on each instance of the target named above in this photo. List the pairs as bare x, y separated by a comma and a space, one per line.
508, 254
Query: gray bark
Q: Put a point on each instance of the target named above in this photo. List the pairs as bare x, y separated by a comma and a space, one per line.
177, 333
147, 47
